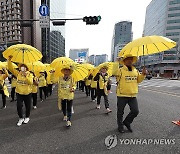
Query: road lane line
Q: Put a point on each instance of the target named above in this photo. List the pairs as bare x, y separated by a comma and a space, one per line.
166, 93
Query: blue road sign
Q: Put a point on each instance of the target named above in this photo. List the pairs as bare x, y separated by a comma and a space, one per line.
44, 10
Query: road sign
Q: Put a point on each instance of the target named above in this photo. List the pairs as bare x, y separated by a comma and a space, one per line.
44, 21
44, 10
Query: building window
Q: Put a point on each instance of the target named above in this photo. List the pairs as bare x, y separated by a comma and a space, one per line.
174, 2
172, 34
174, 8
172, 27
174, 15
173, 21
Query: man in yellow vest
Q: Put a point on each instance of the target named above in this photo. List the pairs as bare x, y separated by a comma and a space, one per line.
128, 79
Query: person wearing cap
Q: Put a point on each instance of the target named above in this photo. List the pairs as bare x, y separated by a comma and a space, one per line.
66, 88
3, 87
128, 79
102, 79
42, 85
23, 90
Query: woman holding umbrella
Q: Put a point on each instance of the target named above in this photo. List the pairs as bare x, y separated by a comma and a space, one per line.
66, 88
23, 90
3, 87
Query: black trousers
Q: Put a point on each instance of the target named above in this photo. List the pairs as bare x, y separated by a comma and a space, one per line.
34, 98
134, 111
49, 89
87, 88
27, 101
3, 98
100, 93
82, 85
13, 93
43, 89
93, 93
67, 108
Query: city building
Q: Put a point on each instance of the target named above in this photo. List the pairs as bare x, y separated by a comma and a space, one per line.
13, 32
99, 59
92, 59
79, 55
163, 18
54, 33
121, 36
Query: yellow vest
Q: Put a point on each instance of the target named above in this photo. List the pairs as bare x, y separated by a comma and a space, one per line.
34, 87
128, 82
13, 83
24, 84
93, 84
42, 81
50, 78
64, 88
5, 89
87, 82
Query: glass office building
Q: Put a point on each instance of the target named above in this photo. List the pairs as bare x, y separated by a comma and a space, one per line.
163, 18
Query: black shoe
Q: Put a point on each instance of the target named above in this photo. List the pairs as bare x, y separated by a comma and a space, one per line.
121, 130
128, 126
12, 101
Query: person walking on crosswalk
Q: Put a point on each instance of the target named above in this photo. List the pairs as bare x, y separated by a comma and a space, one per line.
128, 79
93, 88
23, 90
66, 88
3, 88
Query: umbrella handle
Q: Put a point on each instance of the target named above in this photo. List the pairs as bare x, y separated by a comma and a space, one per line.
143, 55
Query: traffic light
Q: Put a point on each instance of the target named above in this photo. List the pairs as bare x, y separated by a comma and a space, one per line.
58, 23
92, 20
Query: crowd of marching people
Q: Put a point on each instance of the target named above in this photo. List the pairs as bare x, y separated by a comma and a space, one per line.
26, 83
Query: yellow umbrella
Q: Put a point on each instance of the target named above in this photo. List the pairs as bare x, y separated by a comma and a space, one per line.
48, 67
36, 67
22, 53
5, 65
147, 45
79, 72
60, 61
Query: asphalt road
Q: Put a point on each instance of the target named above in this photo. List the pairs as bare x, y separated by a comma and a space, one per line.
46, 132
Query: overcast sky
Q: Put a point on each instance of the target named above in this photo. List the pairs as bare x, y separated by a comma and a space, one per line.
98, 37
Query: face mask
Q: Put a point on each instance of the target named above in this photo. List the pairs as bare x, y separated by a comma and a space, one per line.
23, 69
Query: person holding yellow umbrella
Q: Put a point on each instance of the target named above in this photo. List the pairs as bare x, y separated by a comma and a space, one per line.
3, 87
102, 78
128, 79
66, 88
23, 90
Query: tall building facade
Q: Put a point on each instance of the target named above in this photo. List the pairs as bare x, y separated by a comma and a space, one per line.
54, 33
12, 32
99, 59
79, 55
164, 22
121, 36
92, 59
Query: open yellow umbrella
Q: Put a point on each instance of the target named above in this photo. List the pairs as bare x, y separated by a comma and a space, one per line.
60, 61
79, 71
147, 45
22, 53
5, 65
36, 67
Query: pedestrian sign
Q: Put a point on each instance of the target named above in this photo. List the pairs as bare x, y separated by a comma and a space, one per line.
44, 10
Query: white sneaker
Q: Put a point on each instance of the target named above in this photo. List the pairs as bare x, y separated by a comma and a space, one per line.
20, 122
42, 100
69, 124
26, 120
108, 110
98, 107
4, 107
34, 107
65, 118
94, 100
